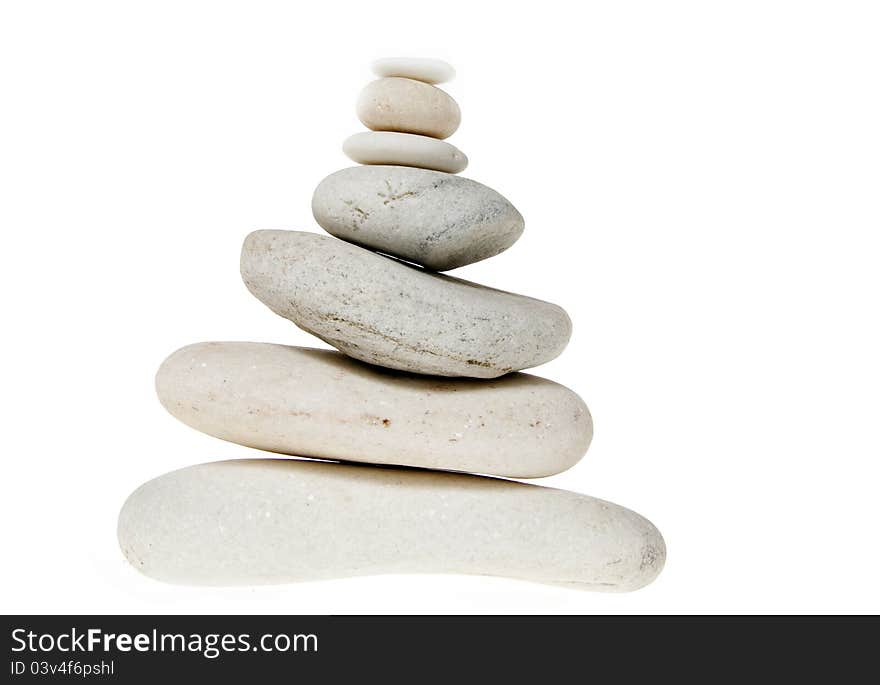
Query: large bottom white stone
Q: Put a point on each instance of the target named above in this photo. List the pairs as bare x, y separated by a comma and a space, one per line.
255, 522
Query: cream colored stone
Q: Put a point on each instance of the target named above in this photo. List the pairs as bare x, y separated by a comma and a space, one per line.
385, 312
428, 217
318, 403
404, 149
276, 521
417, 68
408, 106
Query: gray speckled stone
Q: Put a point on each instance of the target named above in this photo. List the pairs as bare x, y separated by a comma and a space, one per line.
318, 403
276, 521
383, 311
428, 217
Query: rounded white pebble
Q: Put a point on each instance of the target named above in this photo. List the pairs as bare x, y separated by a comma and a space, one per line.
404, 149
418, 68
264, 521
408, 106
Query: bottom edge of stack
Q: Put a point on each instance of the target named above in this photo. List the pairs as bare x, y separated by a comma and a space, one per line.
271, 521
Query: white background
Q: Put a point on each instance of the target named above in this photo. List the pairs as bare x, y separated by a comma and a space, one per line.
700, 186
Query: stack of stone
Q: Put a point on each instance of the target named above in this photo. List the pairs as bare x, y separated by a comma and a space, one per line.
426, 380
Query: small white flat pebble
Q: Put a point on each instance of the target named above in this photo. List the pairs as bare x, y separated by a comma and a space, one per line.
318, 403
408, 106
417, 68
404, 149
258, 522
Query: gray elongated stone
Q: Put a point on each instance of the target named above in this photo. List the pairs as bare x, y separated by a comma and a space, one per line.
318, 403
385, 312
255, 522
428, 217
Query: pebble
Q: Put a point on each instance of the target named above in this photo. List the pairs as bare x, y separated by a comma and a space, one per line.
428, 217
419, 69
253, 522
317, 403
404, 149
408, 106
389, 313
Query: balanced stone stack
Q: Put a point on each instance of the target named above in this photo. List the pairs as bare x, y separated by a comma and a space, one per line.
426, 379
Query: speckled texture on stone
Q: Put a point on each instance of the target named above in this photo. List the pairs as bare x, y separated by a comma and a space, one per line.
385, 312
408, 106
418, 68
438, 220
317, 403
275, 521
404, 149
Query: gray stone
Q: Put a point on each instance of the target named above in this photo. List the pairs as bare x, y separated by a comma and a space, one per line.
260, 522
318, 403
385, 312
428, 217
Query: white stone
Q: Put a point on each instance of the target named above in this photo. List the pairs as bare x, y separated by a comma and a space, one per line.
427, 217
404, 149
260, 522
408, 106
318, 403
385, 312
417, 68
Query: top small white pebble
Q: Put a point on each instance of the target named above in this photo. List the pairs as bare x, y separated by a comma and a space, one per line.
417, 68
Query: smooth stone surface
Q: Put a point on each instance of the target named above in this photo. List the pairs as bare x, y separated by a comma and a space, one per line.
404, 149
417, 68
408, 106
382, 311
275, 521
427, 217
318, 403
